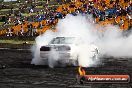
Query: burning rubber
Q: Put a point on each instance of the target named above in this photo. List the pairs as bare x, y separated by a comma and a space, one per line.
66, 51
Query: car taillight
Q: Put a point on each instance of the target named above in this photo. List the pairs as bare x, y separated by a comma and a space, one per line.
68, 48
44, 48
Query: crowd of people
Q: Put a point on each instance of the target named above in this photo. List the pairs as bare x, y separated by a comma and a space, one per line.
104, 11
18, 16
115, 12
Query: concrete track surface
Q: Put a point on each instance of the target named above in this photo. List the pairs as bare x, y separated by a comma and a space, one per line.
17, 72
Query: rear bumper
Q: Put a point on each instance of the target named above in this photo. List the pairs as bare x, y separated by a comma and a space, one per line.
60, 58
58, 55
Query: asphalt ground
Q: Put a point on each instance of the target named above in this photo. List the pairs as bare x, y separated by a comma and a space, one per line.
17, 72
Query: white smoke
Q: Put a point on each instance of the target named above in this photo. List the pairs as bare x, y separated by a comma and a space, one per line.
110, 42
41, 40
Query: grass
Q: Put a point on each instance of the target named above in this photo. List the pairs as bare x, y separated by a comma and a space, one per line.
4, 10
16, 41
1, 23
52, 5
42, 1
11, 24
29, 14
2, 15
39, 7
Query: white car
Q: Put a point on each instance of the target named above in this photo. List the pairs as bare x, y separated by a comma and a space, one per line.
65, 51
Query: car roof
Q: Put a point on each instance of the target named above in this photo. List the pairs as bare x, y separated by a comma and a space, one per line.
65, 37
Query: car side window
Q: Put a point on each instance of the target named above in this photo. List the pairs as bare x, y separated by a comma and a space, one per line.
56, 41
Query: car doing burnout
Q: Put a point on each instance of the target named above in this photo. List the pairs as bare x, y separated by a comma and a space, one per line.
64, 50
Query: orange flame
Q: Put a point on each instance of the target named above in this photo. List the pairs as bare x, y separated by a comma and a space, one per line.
81, 71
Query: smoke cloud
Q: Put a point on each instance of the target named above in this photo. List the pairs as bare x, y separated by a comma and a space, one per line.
110, 42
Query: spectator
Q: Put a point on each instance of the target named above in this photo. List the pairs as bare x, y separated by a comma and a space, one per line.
21, 31
9, 32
